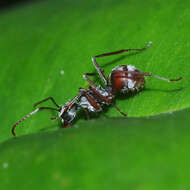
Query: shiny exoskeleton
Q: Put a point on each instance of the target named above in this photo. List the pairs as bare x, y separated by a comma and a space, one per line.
122, 79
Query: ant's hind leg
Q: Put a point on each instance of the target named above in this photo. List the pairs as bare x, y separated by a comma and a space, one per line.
122, 113
125, 50
100, 71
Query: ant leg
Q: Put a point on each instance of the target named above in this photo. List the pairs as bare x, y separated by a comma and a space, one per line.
162, 78
44, 100
100, 71
100, 96
107, 100
125, 50
141, 74
92, 84
68, 105
90, 99
54, 118
29, 115
85, 76
47, 108
86, 113
122, 113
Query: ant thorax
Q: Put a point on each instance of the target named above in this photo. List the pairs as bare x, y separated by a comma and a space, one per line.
68, 113
126, 78
84, 103
95, 105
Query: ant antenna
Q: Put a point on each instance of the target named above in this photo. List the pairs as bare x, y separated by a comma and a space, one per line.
162, 78
29, 115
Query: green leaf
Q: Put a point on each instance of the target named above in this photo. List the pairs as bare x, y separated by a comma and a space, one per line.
102, 154
40, 40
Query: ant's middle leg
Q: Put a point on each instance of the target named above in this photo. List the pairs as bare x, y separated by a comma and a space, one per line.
100, 71
90, 98
107, 100
85, 76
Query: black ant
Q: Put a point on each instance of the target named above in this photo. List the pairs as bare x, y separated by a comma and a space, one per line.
122, 79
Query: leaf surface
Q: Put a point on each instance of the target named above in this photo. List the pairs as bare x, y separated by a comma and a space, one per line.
46, 47
115, 153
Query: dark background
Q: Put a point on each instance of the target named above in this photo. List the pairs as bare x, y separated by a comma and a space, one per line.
6, 4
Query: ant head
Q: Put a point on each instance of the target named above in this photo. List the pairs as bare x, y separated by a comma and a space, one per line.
126, 78
68, 113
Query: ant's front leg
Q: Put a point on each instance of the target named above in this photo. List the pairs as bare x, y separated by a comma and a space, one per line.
29, 115
46, 99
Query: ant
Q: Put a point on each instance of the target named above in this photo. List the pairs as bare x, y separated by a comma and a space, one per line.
122, 79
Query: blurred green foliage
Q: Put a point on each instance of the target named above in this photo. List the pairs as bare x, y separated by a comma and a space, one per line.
139, 154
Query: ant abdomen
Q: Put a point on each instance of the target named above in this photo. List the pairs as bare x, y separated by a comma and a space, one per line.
126, 78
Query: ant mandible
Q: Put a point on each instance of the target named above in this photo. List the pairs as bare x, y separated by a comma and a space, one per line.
124, 78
